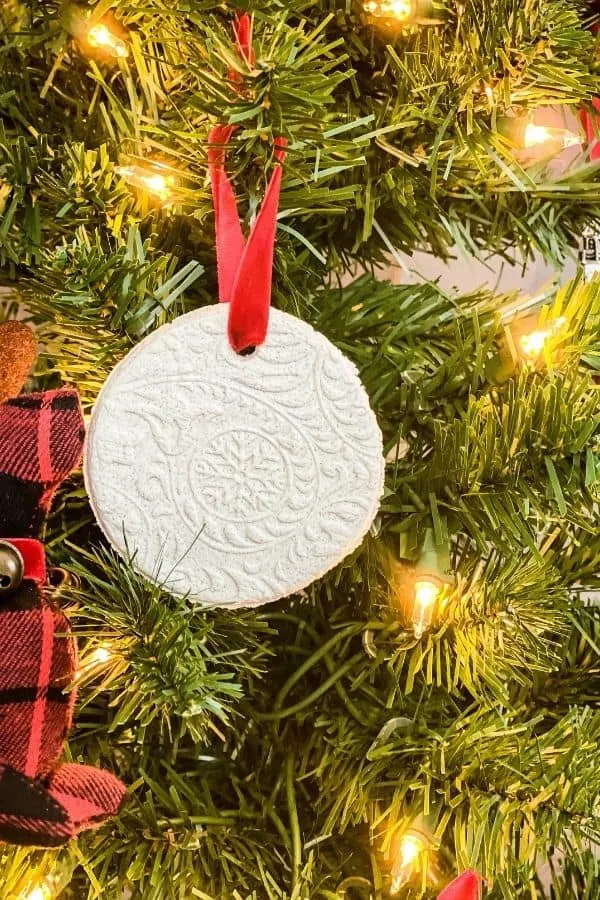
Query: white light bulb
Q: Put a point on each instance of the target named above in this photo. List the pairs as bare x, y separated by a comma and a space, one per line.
101, 37
426, 593
97, 657
533, 343
410, 848
400, 9
538, 135
155, 183
149, 179
391, 9
39, 892
100, 655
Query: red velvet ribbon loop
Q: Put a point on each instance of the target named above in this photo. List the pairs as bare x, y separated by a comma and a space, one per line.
465, 887
242, 28
244, 266
591, 123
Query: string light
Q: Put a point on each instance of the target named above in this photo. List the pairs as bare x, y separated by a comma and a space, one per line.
535, 342
396, 9
99, 655
39, 892
411, 848
101, 37
537, 135
49, 886
431, 575
530, 136
404, 11
149, 179
426, 593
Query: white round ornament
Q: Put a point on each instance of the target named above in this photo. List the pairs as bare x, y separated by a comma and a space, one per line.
234, 479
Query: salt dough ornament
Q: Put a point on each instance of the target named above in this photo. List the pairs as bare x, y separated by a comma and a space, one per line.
234, 479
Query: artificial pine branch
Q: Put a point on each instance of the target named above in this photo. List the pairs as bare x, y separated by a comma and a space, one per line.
507, 636
392, 132
278, 753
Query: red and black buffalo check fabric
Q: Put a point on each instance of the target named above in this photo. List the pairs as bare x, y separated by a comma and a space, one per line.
41, 438
41, 803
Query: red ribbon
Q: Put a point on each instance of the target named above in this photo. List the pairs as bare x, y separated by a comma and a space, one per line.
591, 120
242, 28
591, 123
244, 267
465, 887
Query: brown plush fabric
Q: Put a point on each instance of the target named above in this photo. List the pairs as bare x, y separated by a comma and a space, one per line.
17, 356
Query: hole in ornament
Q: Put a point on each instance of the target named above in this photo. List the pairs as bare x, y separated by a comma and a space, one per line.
248, 351
5, 581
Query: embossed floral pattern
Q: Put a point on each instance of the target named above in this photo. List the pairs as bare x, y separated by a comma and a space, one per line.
235, 479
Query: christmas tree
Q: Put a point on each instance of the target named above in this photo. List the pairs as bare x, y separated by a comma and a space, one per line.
428, 708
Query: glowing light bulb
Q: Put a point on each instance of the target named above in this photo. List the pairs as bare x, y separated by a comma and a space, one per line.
39, 892
50, 886
392, 9
534, 343
150, 180
156, 183
100, 655
531, 137
97, 657
426, 593
538, 135
403, 11
410, 848
101, 37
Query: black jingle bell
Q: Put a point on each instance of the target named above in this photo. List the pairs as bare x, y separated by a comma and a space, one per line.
11, 569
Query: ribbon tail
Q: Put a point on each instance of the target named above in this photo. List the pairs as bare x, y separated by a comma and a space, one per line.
465, 887
243, 37
251, 295
591, 123
228, 230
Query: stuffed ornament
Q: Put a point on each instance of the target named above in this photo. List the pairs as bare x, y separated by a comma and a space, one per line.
465, 887
42, 803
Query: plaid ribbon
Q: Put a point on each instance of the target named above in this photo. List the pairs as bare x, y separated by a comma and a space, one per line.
41, 804
41, 438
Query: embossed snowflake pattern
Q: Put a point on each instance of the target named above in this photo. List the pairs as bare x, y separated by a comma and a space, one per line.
241, 475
